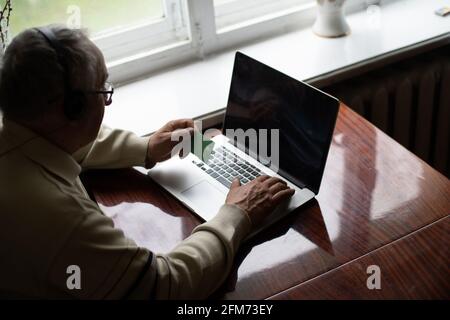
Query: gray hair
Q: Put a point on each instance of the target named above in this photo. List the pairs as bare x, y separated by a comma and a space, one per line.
31, 75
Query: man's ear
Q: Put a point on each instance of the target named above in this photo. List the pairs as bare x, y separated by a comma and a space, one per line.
55, 107
75, 105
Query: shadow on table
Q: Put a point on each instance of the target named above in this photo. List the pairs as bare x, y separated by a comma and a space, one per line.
306, 220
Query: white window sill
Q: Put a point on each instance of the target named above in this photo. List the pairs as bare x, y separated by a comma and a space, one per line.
201, 88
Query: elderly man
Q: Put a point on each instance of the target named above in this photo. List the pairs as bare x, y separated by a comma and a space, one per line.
53, 91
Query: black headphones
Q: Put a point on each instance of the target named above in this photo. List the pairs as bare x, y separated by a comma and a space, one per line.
74, 100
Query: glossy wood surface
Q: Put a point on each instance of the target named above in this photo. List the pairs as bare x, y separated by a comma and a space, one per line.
413, 267
373, 192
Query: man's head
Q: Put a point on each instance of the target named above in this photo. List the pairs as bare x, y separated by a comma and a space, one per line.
36, 82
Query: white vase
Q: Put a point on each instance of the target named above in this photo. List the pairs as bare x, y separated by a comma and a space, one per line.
330, 20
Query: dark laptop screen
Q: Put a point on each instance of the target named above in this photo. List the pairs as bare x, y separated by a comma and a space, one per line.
263, 98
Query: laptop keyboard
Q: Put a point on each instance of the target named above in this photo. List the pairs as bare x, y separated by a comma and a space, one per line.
224, 166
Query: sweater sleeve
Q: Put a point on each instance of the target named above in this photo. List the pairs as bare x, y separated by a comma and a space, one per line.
199, 264
114, 267
113, 148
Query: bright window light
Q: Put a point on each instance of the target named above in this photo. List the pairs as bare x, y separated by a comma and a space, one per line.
231, 12
138, 37
99, 16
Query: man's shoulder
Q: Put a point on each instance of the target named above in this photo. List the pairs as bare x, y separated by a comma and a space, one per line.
38, 214
36, 202
25, 182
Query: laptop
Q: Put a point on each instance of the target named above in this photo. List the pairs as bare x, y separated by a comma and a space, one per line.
293, 123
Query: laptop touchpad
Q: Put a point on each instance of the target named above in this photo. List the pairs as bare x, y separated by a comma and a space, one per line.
206, 198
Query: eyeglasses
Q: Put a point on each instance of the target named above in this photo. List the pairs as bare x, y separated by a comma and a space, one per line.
107, 92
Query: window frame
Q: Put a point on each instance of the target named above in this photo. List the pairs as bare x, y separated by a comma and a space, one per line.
236, 11
170, 28
199, 20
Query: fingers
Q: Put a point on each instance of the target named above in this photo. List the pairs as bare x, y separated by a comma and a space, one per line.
179, 135
277, 187
262, 178
183, 131
272, 181
236, 183
283, 195
181, 124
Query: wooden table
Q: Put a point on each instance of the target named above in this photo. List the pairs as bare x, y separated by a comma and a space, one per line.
378, 205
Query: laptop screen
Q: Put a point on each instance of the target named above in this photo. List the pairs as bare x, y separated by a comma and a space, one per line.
293, 121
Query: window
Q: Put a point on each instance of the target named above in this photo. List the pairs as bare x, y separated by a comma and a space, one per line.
231, 13
120, 28
141, 36
101, 16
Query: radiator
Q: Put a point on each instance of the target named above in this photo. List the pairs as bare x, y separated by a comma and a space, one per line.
410, 101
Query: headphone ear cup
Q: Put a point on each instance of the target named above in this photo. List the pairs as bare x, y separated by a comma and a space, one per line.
74, 105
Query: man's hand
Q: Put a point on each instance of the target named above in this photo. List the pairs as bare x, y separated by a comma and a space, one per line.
259, 197
160, 145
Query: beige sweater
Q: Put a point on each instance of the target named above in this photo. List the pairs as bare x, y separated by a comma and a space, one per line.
49, 224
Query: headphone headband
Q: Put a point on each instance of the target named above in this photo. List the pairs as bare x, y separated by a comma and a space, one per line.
50, 36
73, 100
54, 43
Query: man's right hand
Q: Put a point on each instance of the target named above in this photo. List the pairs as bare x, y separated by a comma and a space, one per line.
259, 197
